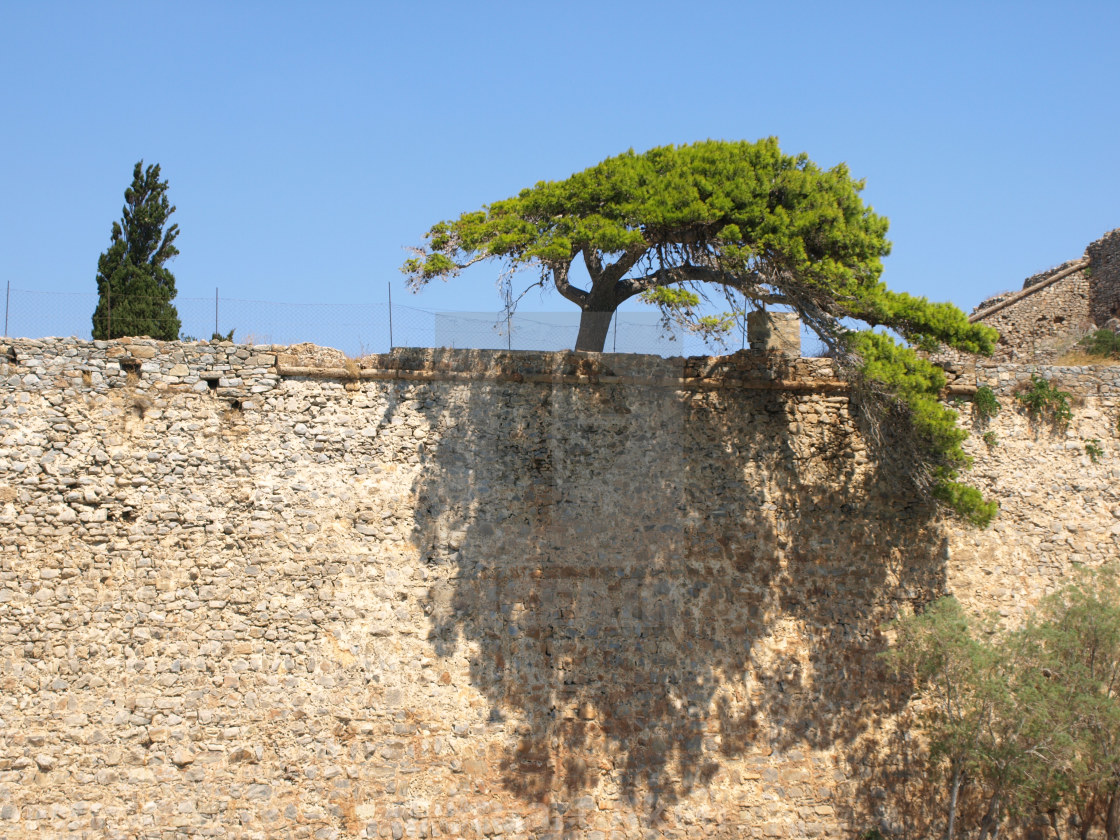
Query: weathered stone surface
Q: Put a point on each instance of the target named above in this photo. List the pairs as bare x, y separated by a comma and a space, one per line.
520, 595
1042, 326
777, 332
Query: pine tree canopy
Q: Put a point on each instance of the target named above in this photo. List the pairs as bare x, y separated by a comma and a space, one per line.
134, 286
735, 221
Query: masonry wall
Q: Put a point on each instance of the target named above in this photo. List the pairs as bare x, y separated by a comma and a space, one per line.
480, 594
1041, 327
1104, 261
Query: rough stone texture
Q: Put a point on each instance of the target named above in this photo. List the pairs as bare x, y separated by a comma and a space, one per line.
778, 332
1104, 261
1042, 326
482, 594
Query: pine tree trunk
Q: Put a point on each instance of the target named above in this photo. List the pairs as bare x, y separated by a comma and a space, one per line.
989, 825
953, 794
1053, 816
1087, 817
1112, 820
593, 329
1087, 821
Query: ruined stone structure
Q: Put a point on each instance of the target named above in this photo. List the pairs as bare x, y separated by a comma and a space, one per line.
246, 592
1056, 308
1104, 287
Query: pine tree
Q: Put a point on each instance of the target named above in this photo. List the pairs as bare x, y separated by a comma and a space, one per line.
677, 223
134, 287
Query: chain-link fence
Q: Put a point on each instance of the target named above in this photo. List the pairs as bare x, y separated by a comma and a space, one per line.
354, 328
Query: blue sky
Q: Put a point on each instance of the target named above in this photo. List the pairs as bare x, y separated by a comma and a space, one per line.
307, 144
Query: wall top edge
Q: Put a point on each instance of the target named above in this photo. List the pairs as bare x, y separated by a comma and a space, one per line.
225, 365
310, 356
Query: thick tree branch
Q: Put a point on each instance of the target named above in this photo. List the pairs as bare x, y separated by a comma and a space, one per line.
605, 294
560, 280
593, 262
748, 285
614, 272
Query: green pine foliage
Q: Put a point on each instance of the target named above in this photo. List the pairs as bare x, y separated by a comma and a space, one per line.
916, 384
1026, 722
960, 682
678, 225
134, 286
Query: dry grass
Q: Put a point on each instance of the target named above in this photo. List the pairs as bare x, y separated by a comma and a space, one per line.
367, 360
1080, 358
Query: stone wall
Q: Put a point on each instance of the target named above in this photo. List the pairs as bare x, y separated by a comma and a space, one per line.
1039, 328
1104, 262
482, 594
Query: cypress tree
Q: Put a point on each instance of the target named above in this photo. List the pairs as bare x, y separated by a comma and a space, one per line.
134, 287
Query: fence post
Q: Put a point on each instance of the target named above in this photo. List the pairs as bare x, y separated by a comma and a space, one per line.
7, 303
743, 323
108, 312
509, 332
614, 345
215, 310
390, 285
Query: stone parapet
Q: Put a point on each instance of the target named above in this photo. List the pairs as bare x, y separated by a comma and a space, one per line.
237, 371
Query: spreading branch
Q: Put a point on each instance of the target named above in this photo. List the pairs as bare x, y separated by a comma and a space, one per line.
679, 225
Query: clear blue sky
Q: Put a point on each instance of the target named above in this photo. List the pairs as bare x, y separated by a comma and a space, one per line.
307, 144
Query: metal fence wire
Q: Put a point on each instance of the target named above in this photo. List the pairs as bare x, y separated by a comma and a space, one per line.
361, 328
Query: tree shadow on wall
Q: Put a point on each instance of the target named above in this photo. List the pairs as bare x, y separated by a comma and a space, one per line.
660, 582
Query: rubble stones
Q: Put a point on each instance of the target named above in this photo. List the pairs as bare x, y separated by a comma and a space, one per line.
1040, 327
484, 594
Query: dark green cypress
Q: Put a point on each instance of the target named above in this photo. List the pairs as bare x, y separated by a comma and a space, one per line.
134, 287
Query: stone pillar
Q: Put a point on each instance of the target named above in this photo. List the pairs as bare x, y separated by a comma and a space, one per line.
774, 332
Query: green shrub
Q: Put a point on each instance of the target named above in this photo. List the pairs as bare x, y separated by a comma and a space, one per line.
1027, 719
1042, 400
984, 404
990, 440
1103, 343
1093, 449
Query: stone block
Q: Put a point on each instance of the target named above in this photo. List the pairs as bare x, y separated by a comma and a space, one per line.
774, 332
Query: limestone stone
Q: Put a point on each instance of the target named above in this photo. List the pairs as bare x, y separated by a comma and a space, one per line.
1055, 308
488, 593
